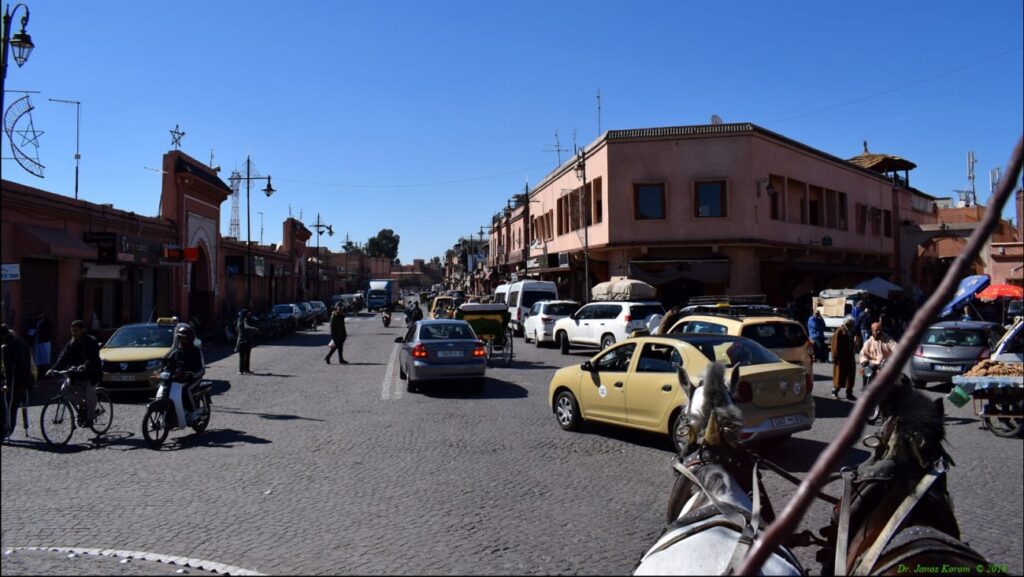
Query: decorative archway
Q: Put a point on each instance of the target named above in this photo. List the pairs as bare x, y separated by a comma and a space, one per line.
915, 259
200, 296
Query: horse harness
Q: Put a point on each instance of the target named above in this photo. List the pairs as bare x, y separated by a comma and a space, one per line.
720, 514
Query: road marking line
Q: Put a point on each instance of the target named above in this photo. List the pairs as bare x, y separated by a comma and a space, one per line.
204, 564
389, 374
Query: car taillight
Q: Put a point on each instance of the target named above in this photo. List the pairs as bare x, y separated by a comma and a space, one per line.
919, 352
479, 352
419, 351
629, 319
984, 354
809, 382
744, 392
546, 320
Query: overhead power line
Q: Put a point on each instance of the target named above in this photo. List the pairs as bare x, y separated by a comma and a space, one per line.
416, 185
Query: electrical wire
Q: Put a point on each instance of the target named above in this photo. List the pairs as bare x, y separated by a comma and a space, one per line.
417, 185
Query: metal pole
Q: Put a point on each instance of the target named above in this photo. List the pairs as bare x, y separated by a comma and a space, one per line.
4, 46
248, 237
586, 240
316, 289
260, 212
78, 125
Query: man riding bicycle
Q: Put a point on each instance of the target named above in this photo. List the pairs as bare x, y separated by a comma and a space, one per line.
82, 355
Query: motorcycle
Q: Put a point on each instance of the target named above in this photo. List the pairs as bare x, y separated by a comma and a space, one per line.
870, 371
386, 317
167, 410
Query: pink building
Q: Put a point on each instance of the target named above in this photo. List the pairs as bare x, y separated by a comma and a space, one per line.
712, 209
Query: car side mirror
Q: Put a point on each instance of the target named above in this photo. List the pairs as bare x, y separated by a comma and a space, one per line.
587, 366
399, 339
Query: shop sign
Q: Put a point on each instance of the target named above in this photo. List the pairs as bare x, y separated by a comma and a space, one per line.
135, 250
535, 263
106, 245
258, 265
11, 272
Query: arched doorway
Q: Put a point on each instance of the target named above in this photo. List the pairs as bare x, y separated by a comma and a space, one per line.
200, 297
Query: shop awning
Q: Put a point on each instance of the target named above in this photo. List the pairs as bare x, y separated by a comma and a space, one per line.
33, 241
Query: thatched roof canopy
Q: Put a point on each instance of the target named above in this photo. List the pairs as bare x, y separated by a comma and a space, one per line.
882, 163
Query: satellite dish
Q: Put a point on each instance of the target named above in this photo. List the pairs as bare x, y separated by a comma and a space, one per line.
716, 119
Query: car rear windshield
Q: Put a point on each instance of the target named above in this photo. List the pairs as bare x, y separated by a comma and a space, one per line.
147, 336
739, 351
641, 312
561, 309
952, 337
377, 293
776, 335
530, 298
282, 309
446, 331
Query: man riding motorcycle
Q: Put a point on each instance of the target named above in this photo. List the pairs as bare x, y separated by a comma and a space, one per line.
186, 363
876, 350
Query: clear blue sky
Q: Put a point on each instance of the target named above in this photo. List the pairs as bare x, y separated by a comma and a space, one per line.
425, 116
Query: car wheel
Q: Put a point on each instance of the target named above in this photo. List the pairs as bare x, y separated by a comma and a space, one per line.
536, 340
567, 411
607, 341
526, 336
563, 342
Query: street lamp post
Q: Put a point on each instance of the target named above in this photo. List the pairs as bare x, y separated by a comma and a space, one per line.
21, 43
581, 173
269, 190
320, 228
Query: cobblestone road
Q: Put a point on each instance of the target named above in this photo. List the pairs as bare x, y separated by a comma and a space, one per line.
315, 469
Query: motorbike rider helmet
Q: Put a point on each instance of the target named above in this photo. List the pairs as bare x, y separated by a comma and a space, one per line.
185, 332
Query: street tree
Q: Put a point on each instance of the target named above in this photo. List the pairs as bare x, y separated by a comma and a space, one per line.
384, 244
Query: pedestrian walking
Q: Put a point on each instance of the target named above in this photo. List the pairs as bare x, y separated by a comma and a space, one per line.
338, 335
244, 340
816, 333
845, 344
41, 334
18, 378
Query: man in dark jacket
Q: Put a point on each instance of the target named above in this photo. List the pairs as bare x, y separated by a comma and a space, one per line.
82, 355
41, 335
338, 335
185, 362
16, 368
243, 342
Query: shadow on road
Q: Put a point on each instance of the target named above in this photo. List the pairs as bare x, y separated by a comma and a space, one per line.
631, 436
268, 416
493, 389
829, 408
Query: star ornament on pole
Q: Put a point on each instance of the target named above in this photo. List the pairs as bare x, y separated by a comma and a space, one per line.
176, 135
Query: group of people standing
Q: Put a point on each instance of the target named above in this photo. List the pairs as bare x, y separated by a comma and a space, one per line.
863, 339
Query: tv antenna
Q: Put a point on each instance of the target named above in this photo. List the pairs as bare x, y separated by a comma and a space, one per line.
598, 113
558, 148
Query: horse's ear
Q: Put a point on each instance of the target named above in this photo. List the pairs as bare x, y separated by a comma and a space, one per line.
734, 379
684, 380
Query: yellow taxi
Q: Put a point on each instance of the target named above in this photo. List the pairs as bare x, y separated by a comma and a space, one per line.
634, 384
780, 334
442, 307
135, 355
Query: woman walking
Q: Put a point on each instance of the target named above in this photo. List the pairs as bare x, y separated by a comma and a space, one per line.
338, 335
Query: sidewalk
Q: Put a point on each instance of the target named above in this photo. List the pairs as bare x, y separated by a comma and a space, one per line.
79, 561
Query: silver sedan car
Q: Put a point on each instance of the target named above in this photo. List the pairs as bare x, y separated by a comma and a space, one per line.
441, 350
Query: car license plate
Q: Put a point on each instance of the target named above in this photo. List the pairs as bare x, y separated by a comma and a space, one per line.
784, 421
122, 378
949, 368
449, 354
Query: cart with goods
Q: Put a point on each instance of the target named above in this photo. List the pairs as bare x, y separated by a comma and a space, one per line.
490, 323
995, 386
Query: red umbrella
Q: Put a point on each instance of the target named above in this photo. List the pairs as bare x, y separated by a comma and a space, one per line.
1001, 291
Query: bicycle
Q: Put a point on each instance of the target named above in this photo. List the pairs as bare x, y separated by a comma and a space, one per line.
61, 413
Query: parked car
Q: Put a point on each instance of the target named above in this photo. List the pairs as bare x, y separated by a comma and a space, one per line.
523, 295
308, 314
635, 384
602, 324
950, 348
135, 354
289, 314
320, 309
441, 350
782, 335
539, 325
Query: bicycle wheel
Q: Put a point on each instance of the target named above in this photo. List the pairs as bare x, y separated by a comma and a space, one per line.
506, 351
154, 426
104, 413
57, 421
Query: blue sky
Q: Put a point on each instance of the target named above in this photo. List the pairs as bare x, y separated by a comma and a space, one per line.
424, 117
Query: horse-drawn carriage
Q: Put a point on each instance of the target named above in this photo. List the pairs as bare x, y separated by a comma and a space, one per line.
490, 323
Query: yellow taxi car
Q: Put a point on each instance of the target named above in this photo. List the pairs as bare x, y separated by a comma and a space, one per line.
780, 334
442, 307
135, 355
634, 384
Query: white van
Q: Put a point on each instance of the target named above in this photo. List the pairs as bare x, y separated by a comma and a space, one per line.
524, 294
501, 294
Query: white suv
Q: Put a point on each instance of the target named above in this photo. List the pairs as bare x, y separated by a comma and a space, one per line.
603, 324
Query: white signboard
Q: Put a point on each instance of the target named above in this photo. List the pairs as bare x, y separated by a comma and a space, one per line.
11, 272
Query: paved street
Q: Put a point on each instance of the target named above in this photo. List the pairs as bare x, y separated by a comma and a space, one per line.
315, 469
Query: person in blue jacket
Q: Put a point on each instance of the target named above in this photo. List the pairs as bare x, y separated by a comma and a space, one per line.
816, 332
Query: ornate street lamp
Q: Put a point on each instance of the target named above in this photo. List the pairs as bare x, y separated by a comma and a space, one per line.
320, 228
21, 43
269, 190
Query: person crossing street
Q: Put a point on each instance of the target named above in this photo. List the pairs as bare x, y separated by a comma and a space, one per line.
338, 335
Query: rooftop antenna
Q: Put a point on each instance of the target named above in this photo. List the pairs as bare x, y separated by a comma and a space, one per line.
214, 168
994, 176
289, 211
558, 148
574, 149
598, 112
969, 197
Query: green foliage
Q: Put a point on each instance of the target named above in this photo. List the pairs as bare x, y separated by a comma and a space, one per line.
384, 244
